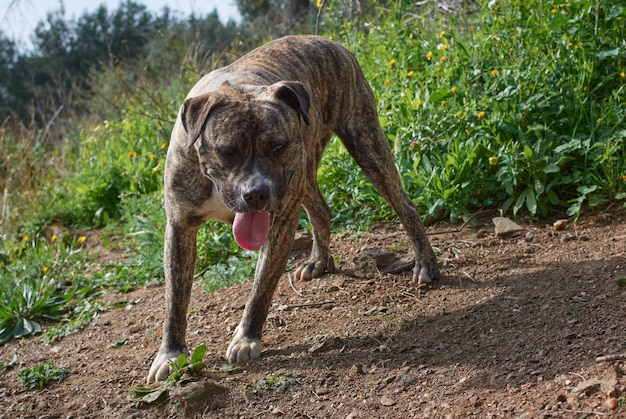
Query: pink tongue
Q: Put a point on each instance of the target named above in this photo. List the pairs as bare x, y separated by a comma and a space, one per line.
250, 229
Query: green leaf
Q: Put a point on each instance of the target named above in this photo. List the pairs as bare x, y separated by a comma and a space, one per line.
551, 168
621, 282
531, 201
157, 396
520, 202
609, 53
198, 353
528, 153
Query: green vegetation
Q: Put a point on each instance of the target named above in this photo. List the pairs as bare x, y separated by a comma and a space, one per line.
182, 372
40, 375
277, 382
517, 106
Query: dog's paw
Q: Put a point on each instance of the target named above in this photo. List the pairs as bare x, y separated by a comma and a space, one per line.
315, 269
243, 349
425, 273
161, 369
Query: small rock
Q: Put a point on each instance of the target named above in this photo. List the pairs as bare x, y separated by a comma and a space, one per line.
612, 403
387, 401
505, 227
588, 387
560, 225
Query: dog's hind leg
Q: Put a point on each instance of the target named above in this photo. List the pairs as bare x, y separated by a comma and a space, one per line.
369, 146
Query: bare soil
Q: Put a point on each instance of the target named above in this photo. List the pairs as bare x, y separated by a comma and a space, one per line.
512, 329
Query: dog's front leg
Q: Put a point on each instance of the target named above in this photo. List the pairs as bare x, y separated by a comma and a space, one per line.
179, 263
246, 343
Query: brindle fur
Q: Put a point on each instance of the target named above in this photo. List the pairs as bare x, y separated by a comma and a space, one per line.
258, 128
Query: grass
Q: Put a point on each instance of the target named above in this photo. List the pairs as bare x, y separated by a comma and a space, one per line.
40, 375
517, 108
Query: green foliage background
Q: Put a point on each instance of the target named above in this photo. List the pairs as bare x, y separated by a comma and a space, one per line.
515, 105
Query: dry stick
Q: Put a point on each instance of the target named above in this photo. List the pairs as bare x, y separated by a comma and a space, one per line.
613, 357
306, 305
292, 286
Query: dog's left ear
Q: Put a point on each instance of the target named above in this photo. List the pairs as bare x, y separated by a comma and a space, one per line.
195, 113
294, 94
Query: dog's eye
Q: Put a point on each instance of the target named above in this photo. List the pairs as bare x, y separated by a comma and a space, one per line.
279, 148
226, 154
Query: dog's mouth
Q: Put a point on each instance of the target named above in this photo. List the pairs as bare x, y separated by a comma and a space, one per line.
251, 229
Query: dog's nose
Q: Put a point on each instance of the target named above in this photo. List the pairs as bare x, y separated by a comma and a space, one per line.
257, 196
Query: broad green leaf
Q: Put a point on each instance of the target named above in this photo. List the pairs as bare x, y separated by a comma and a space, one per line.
198, 353
531, 201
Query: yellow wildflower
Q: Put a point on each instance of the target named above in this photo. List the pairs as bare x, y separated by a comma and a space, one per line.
123, 174
82, 239
481, 114
442, 34
467, 132
44, 269
387, 82
453, 89
132, 154
25, 239
410, 74
26, 193
392, 62
494, 72
429, 55
418, 102
599, 121
318, 3
622, 74
553, 11
53, 238
163, 146
443, 102
444, 47
443, 59
624, 178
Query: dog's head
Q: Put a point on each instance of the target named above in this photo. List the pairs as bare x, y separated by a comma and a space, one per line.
250, 144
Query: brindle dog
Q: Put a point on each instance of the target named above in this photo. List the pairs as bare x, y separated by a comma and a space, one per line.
245, 150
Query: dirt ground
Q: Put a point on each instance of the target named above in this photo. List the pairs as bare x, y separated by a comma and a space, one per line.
512, 329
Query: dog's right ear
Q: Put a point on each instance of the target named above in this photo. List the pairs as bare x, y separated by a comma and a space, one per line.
195, 113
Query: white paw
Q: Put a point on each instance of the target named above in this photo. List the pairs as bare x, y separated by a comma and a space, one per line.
243, 349
161, 369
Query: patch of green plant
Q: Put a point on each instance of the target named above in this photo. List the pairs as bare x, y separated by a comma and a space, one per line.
279, 382
518, 106
235, 269
22, 308
231, 368
183, 370
39, 376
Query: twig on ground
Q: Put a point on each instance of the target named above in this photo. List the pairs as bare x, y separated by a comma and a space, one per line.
292, 286
612, 357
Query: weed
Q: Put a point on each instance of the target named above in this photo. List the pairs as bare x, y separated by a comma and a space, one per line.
279, 382
182, 370
20, 312
40, 375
